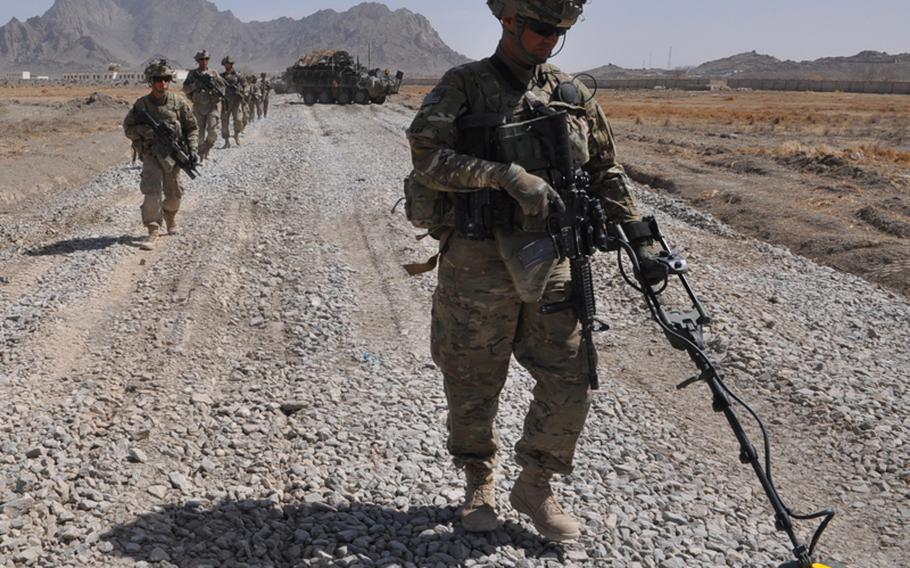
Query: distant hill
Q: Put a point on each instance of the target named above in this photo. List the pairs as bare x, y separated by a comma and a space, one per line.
91, 34
864, 66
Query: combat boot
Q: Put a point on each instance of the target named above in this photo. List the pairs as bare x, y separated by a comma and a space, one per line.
479, 511
227, 143
170, 220
533, 497
151, 239
237, 139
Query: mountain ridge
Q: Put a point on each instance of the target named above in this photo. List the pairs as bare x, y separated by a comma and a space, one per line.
866, 65
80, 35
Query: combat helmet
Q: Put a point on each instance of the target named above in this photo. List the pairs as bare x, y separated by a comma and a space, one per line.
559, 13
228, 60
204, 54
158, 68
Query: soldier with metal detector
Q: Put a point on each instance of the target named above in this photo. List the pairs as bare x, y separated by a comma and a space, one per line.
480, 187
515, 174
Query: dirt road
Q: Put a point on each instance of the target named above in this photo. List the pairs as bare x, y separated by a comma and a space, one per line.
258, 391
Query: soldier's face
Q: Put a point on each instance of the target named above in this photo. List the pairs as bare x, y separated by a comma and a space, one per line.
537, 38
228, 67
160, 86
203, 64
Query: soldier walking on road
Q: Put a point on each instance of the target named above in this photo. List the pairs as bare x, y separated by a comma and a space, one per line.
232, 108
486, 307
247, 101
205, 100
255, 99
265, 88
160, 179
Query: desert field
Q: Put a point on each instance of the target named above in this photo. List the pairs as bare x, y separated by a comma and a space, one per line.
259, 389
825, 174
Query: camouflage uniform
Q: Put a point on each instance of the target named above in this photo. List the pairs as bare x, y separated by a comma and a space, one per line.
233, 107
205, 107
255, 98
485, 307
265, 88
160, 175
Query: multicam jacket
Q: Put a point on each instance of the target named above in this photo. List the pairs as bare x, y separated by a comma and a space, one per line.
174, 111
199, 95
489, 86
448, 155
234, 83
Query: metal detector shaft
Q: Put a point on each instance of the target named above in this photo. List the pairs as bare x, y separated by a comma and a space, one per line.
684, 331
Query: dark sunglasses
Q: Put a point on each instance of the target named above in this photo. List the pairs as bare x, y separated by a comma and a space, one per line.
161, 79
544, 29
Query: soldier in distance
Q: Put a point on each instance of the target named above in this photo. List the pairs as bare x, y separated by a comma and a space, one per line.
265, 89
233, 107
205, 102
160, 178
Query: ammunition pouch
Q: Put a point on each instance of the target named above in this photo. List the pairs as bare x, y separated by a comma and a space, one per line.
530, 145
478, 212
426, 208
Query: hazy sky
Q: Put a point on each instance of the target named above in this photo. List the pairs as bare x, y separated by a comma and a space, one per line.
637, 32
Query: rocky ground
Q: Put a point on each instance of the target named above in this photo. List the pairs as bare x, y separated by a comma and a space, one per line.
259, 392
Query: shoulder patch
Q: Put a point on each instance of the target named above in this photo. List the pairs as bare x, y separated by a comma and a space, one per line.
434, 96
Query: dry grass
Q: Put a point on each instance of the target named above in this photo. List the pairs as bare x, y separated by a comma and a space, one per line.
816, 112
61, 93
863, 154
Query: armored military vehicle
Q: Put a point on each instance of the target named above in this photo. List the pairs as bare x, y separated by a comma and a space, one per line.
334, 76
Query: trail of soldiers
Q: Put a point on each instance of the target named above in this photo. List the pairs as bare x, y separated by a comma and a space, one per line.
258, 391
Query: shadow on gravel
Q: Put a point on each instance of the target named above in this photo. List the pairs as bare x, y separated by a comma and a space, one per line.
69, 246
260, 533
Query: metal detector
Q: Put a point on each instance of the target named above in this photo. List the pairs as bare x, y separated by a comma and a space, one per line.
684, 331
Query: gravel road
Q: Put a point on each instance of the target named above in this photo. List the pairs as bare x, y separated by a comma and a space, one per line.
258, 391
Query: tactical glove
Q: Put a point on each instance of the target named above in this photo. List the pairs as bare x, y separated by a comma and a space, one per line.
147, 133
652, 271
532, 193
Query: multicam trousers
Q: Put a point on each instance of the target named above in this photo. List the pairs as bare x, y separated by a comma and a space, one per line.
229, 110
479, 322
161, 189
208, 117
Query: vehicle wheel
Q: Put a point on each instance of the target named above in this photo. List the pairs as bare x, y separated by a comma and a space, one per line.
309, 97
344, 97
379, 100
361, 97
326, 98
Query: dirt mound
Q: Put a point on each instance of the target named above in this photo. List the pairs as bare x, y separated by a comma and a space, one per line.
95, 100
884, 221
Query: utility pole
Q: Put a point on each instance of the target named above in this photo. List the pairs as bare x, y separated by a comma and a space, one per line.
670, 59
650, 60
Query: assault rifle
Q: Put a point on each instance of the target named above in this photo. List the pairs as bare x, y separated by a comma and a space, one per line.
575, 232
208, 82
176, 148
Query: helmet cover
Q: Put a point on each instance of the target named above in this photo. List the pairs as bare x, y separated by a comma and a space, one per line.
560, 13
158, 68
